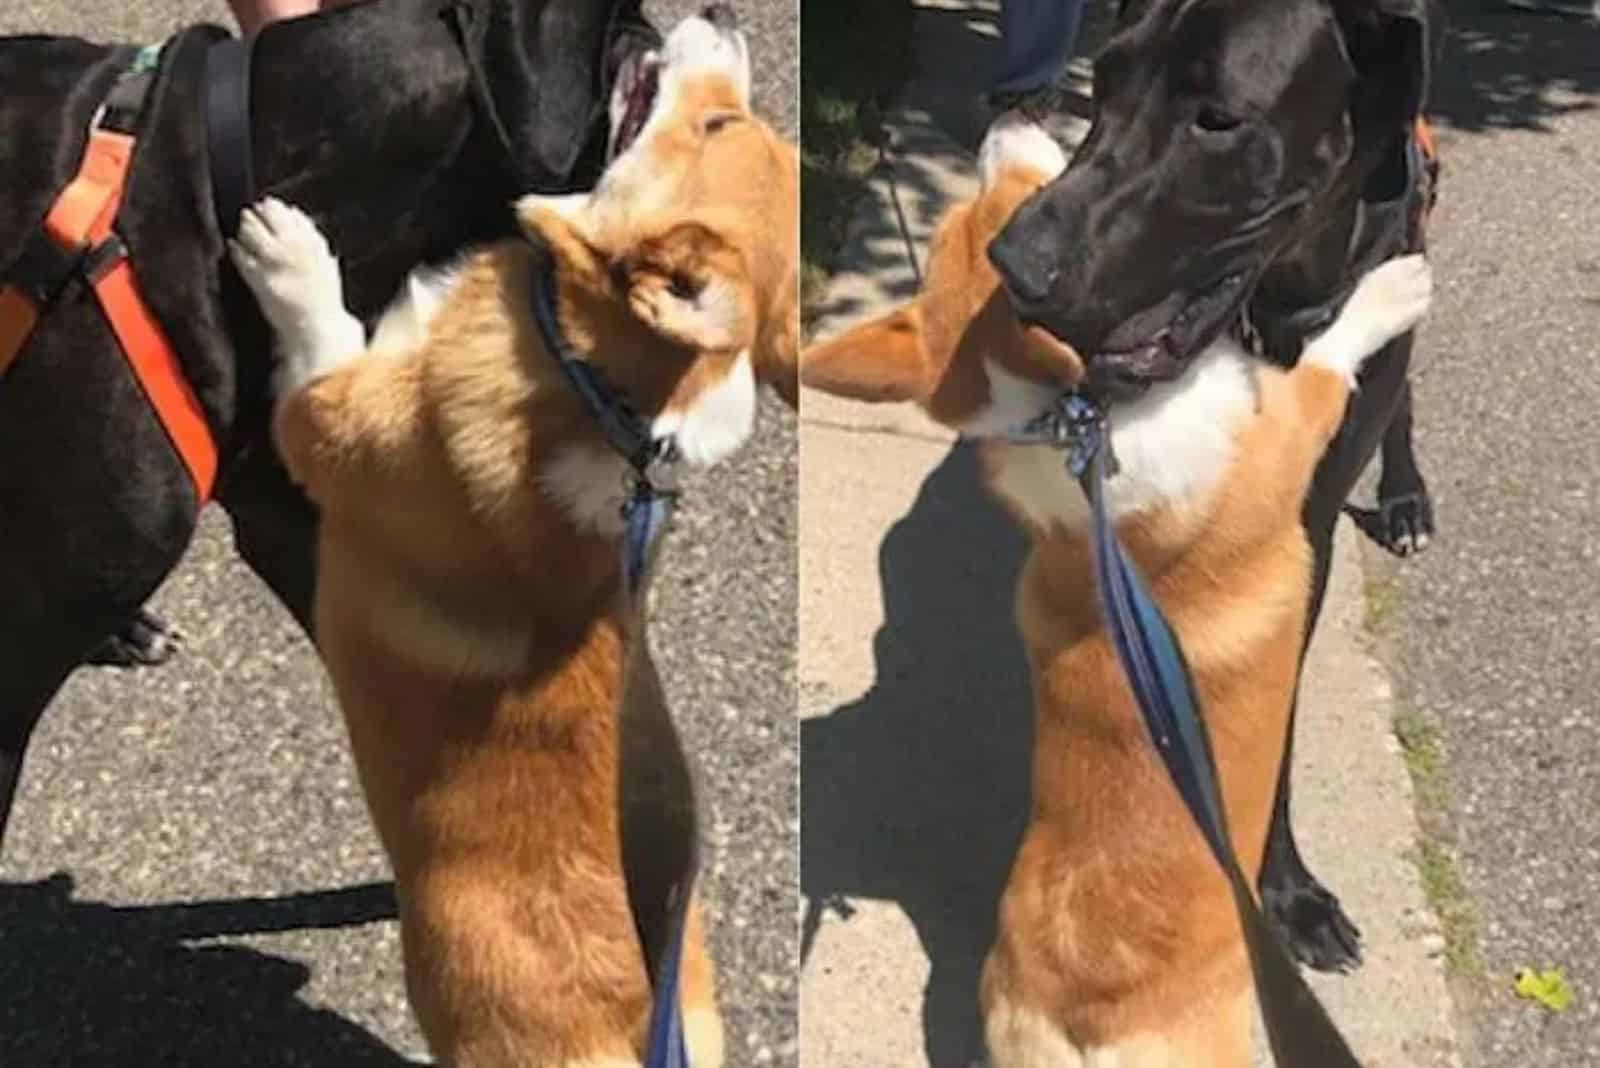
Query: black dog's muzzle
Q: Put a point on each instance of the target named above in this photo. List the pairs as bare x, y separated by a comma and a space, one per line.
1125, 353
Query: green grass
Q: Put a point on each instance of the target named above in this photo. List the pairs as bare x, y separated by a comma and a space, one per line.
1441, 881
1422, 748
1457, 920
1379, 598
1419, 742
853, 57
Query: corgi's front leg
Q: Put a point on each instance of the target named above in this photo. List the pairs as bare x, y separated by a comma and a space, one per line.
287, 264
1389, 301
337, 407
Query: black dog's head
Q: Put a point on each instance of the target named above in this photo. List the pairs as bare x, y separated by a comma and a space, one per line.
1222, 130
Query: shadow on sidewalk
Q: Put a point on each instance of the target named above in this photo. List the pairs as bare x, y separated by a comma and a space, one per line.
917, 792
89, 985
1509, 69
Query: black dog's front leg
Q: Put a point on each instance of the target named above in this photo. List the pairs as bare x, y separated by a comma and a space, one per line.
1309, 919
1403, 521
145, 641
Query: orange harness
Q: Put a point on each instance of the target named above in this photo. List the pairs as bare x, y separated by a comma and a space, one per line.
1428, 149
80, 225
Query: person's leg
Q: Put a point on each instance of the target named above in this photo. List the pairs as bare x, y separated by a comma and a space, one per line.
1036, 42
254, 14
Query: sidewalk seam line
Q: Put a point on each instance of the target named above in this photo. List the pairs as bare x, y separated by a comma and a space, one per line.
882, 431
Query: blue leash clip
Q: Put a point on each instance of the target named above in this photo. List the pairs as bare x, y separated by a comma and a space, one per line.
1076, 424
645, 514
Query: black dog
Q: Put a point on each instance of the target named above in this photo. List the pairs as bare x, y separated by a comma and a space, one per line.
1247, 162
405, 127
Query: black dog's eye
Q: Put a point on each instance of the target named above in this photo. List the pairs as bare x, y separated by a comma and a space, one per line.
718, 121
1213, 120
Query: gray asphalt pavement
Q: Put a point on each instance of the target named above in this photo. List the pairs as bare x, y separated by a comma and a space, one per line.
1497, 630
190, 878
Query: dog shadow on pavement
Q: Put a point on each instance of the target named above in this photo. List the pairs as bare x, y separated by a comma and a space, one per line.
917, 792
89, 985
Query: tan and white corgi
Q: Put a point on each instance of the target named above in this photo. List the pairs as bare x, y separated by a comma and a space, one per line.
468, 606
1117, 940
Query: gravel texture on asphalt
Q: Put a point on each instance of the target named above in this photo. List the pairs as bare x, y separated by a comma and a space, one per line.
1495, 630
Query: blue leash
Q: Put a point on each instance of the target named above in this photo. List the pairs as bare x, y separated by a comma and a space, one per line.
1298, 1027
664, 1045
659, 836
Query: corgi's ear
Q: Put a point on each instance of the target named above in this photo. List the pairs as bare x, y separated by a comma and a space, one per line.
777, 351
692, 286
557, 222
884, 359
1050, 354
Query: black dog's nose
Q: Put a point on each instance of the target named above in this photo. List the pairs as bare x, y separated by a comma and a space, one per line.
721, 16
1028, 271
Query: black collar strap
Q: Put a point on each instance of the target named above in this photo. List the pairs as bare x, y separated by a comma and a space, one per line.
1298, 1027
233, 184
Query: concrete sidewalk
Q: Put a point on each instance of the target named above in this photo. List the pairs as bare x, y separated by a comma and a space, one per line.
915, 741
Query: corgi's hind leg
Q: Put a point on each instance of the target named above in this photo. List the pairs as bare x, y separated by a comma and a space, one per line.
1215, 1034
702, 1023
1017, 1037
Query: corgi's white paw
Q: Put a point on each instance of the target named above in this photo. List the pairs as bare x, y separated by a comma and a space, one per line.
287, 264
1389, 301
1393, 297
1014, 140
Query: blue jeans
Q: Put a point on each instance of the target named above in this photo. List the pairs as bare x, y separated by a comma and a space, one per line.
1036, 41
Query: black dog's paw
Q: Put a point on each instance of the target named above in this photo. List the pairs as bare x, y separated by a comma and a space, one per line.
1312, 924
1402, 524
145, 642
1407, 521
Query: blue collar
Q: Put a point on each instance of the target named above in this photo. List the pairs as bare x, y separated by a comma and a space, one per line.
649, 505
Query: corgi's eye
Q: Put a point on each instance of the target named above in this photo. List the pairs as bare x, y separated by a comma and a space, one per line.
684, 287
719, 121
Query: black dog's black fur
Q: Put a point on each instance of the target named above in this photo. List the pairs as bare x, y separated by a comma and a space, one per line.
1247, 162
365, 117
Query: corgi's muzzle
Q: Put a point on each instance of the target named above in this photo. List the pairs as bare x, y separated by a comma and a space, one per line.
710, 42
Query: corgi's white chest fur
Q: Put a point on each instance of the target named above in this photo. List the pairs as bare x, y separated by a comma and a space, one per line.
1172, 445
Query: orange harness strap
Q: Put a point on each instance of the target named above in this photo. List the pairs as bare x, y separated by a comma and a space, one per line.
17, 319
1428, 150
81, 222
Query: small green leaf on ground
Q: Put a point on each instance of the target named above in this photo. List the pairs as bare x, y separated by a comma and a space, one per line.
1549, 988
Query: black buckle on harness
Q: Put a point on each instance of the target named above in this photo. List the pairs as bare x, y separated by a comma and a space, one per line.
45, 270
96, 262
124, 108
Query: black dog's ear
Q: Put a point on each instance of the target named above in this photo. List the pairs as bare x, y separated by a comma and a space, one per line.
1390, 43
548, 67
